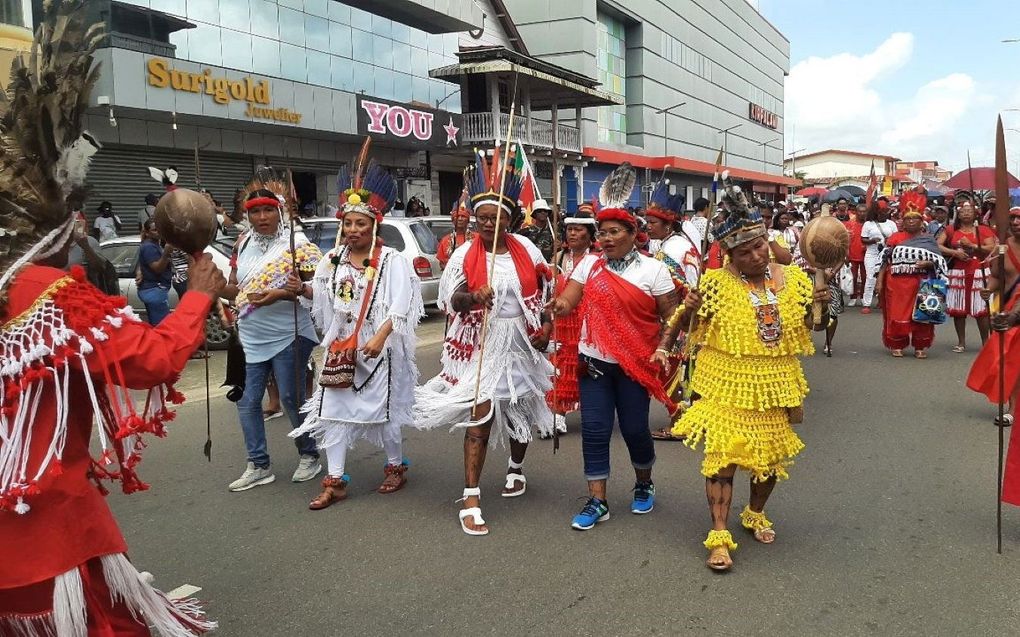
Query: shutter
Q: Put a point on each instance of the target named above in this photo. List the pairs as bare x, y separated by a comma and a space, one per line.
120, 175
303, 165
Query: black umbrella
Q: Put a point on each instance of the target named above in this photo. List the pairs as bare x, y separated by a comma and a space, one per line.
835, 195
857, 192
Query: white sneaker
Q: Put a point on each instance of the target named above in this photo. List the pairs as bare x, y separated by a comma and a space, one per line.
561, 424
852, 303
252, 477
307, 468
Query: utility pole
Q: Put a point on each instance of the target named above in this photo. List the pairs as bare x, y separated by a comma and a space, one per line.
665, 125
726, 132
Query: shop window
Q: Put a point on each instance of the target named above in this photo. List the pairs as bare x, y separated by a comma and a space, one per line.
612, 67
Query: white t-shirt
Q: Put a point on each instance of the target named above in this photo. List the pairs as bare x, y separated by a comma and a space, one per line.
875, 230
648, 274
107, 227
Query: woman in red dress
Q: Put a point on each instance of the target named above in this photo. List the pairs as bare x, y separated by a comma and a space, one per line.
967, 243
855, 256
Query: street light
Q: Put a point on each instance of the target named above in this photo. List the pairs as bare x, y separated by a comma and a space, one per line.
763, 145
793, 155
725, 132
665, 125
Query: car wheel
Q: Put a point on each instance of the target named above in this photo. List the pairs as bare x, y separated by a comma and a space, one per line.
216, 335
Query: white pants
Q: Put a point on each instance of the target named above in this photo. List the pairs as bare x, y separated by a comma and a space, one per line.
871, 266
336, 456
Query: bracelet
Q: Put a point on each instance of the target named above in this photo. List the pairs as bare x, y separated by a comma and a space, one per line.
659, 349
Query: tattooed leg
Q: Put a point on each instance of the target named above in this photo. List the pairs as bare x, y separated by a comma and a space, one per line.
476, 441
753, 517
719, 490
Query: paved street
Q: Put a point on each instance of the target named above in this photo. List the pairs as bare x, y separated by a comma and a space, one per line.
885, 528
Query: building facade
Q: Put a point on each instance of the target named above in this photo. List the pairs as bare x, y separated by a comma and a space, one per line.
846, 168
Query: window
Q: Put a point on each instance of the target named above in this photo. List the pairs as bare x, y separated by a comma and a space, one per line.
424, 236
612, 67
264, 19
292, 26
391, 236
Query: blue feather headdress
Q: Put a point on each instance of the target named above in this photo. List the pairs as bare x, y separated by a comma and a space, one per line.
368, 189
742, 223
482, 181
664, 205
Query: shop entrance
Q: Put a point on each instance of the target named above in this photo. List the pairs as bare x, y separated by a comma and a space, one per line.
307, 193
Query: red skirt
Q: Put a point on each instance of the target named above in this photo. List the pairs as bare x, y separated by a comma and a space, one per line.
565, 396
899, 330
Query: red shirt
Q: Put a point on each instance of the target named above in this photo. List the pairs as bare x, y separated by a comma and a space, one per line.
69, 521
448, 244
857, 247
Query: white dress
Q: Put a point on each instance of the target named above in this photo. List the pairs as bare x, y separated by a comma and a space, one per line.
382, 398
515, 376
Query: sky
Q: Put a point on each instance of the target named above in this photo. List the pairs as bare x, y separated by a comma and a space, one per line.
914, 79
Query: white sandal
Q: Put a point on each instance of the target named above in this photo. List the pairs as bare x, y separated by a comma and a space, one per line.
473, 512
512, 479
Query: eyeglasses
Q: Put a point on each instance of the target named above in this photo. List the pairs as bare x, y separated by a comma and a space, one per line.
612, 233
485, 221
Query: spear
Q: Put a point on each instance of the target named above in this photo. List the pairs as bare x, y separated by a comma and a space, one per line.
492, 256
555, 221
977, 219
1001, 226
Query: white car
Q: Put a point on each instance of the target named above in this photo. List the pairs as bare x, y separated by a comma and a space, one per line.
122, 252
411, 236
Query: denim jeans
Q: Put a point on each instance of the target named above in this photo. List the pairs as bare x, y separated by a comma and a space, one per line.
180, 288
292, 396
157, 303
613, 393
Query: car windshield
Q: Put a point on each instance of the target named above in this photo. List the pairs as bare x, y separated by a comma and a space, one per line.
123, 256
323, 234
439, 227
425, 236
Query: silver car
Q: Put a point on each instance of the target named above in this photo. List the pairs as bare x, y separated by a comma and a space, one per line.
122, 252
411, 236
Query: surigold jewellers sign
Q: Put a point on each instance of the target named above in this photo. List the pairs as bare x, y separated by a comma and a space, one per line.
221, 90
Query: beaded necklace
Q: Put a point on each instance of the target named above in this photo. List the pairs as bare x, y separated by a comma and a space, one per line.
765, 302
619, 265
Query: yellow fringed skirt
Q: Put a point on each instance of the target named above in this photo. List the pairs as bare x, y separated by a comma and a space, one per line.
760, 442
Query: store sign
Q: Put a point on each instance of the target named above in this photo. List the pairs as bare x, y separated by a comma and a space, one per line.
221, 90
762, 116
412, 125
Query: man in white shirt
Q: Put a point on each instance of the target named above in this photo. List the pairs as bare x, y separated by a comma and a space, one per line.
874, 234
107, 224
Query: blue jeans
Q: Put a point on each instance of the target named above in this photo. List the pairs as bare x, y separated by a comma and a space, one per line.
157, 303
292, 396
613, 393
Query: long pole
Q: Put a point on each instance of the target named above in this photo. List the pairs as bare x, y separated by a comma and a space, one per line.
492, 256
207, 448
977, 222
556, 246
1001, 227
299, 384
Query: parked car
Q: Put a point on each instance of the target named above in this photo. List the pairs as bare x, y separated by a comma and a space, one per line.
411, 236
122, 252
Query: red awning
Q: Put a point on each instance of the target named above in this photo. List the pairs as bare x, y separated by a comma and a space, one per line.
687, 165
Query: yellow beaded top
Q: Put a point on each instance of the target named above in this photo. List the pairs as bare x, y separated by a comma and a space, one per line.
727, 319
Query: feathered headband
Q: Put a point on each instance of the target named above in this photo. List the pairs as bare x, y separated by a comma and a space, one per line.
460, 211
663, 205
912, 202
483, 182
741, 224
615, 193
276, 182
44, 149
369, 189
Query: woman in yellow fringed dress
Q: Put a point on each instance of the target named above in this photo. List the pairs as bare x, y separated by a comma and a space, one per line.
753, 320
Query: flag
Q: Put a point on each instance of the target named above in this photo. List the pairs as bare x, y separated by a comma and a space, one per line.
869, 196
529, 192
718, 173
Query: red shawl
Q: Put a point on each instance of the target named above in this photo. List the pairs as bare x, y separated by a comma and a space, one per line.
476, 266
623, 321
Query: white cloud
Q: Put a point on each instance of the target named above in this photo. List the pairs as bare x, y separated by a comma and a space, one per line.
833, 102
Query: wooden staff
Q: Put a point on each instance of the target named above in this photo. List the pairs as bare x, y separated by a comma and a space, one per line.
555, 268
299, 381
492, 256
221, 311
977, 223
1002, 227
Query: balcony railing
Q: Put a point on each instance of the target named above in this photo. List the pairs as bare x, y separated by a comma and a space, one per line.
478, 127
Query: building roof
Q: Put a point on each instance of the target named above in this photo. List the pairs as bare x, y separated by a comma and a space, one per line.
683, 164
846, 152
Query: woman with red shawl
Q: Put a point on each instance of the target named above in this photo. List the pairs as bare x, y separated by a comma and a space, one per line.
627, 297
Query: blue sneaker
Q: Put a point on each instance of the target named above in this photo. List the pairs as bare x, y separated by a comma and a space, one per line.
594, 511
644, 498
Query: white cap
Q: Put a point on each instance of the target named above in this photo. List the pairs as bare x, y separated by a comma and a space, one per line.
540, 204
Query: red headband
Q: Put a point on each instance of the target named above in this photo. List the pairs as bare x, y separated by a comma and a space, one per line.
262, 201
616, 214
462, 213
661, 213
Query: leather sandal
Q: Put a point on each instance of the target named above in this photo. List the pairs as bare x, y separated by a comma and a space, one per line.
333, 490
395, 479
472, 512
758, 524
719, 545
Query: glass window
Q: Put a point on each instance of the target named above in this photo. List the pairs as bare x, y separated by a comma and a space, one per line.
339, 12
264, 19
436, 60
180, 40
316, 33
424, 236
237, 55
340, 39
292, 26
361, 19
317, 7
362, 44
234, 15
401, 32
265, 55
419, 62
401, 87
420, 89
293, 4
383, 83
293, 63
204, 11
341, 73
364, 77
318, 68
391, 236
383, 52
204, 44
419, 38
173, 7
381, 26
439, 90
401, 57
450, 44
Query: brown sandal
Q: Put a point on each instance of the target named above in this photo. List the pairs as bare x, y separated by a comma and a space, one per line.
395, 479
719, 545
665, 433
333, 490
